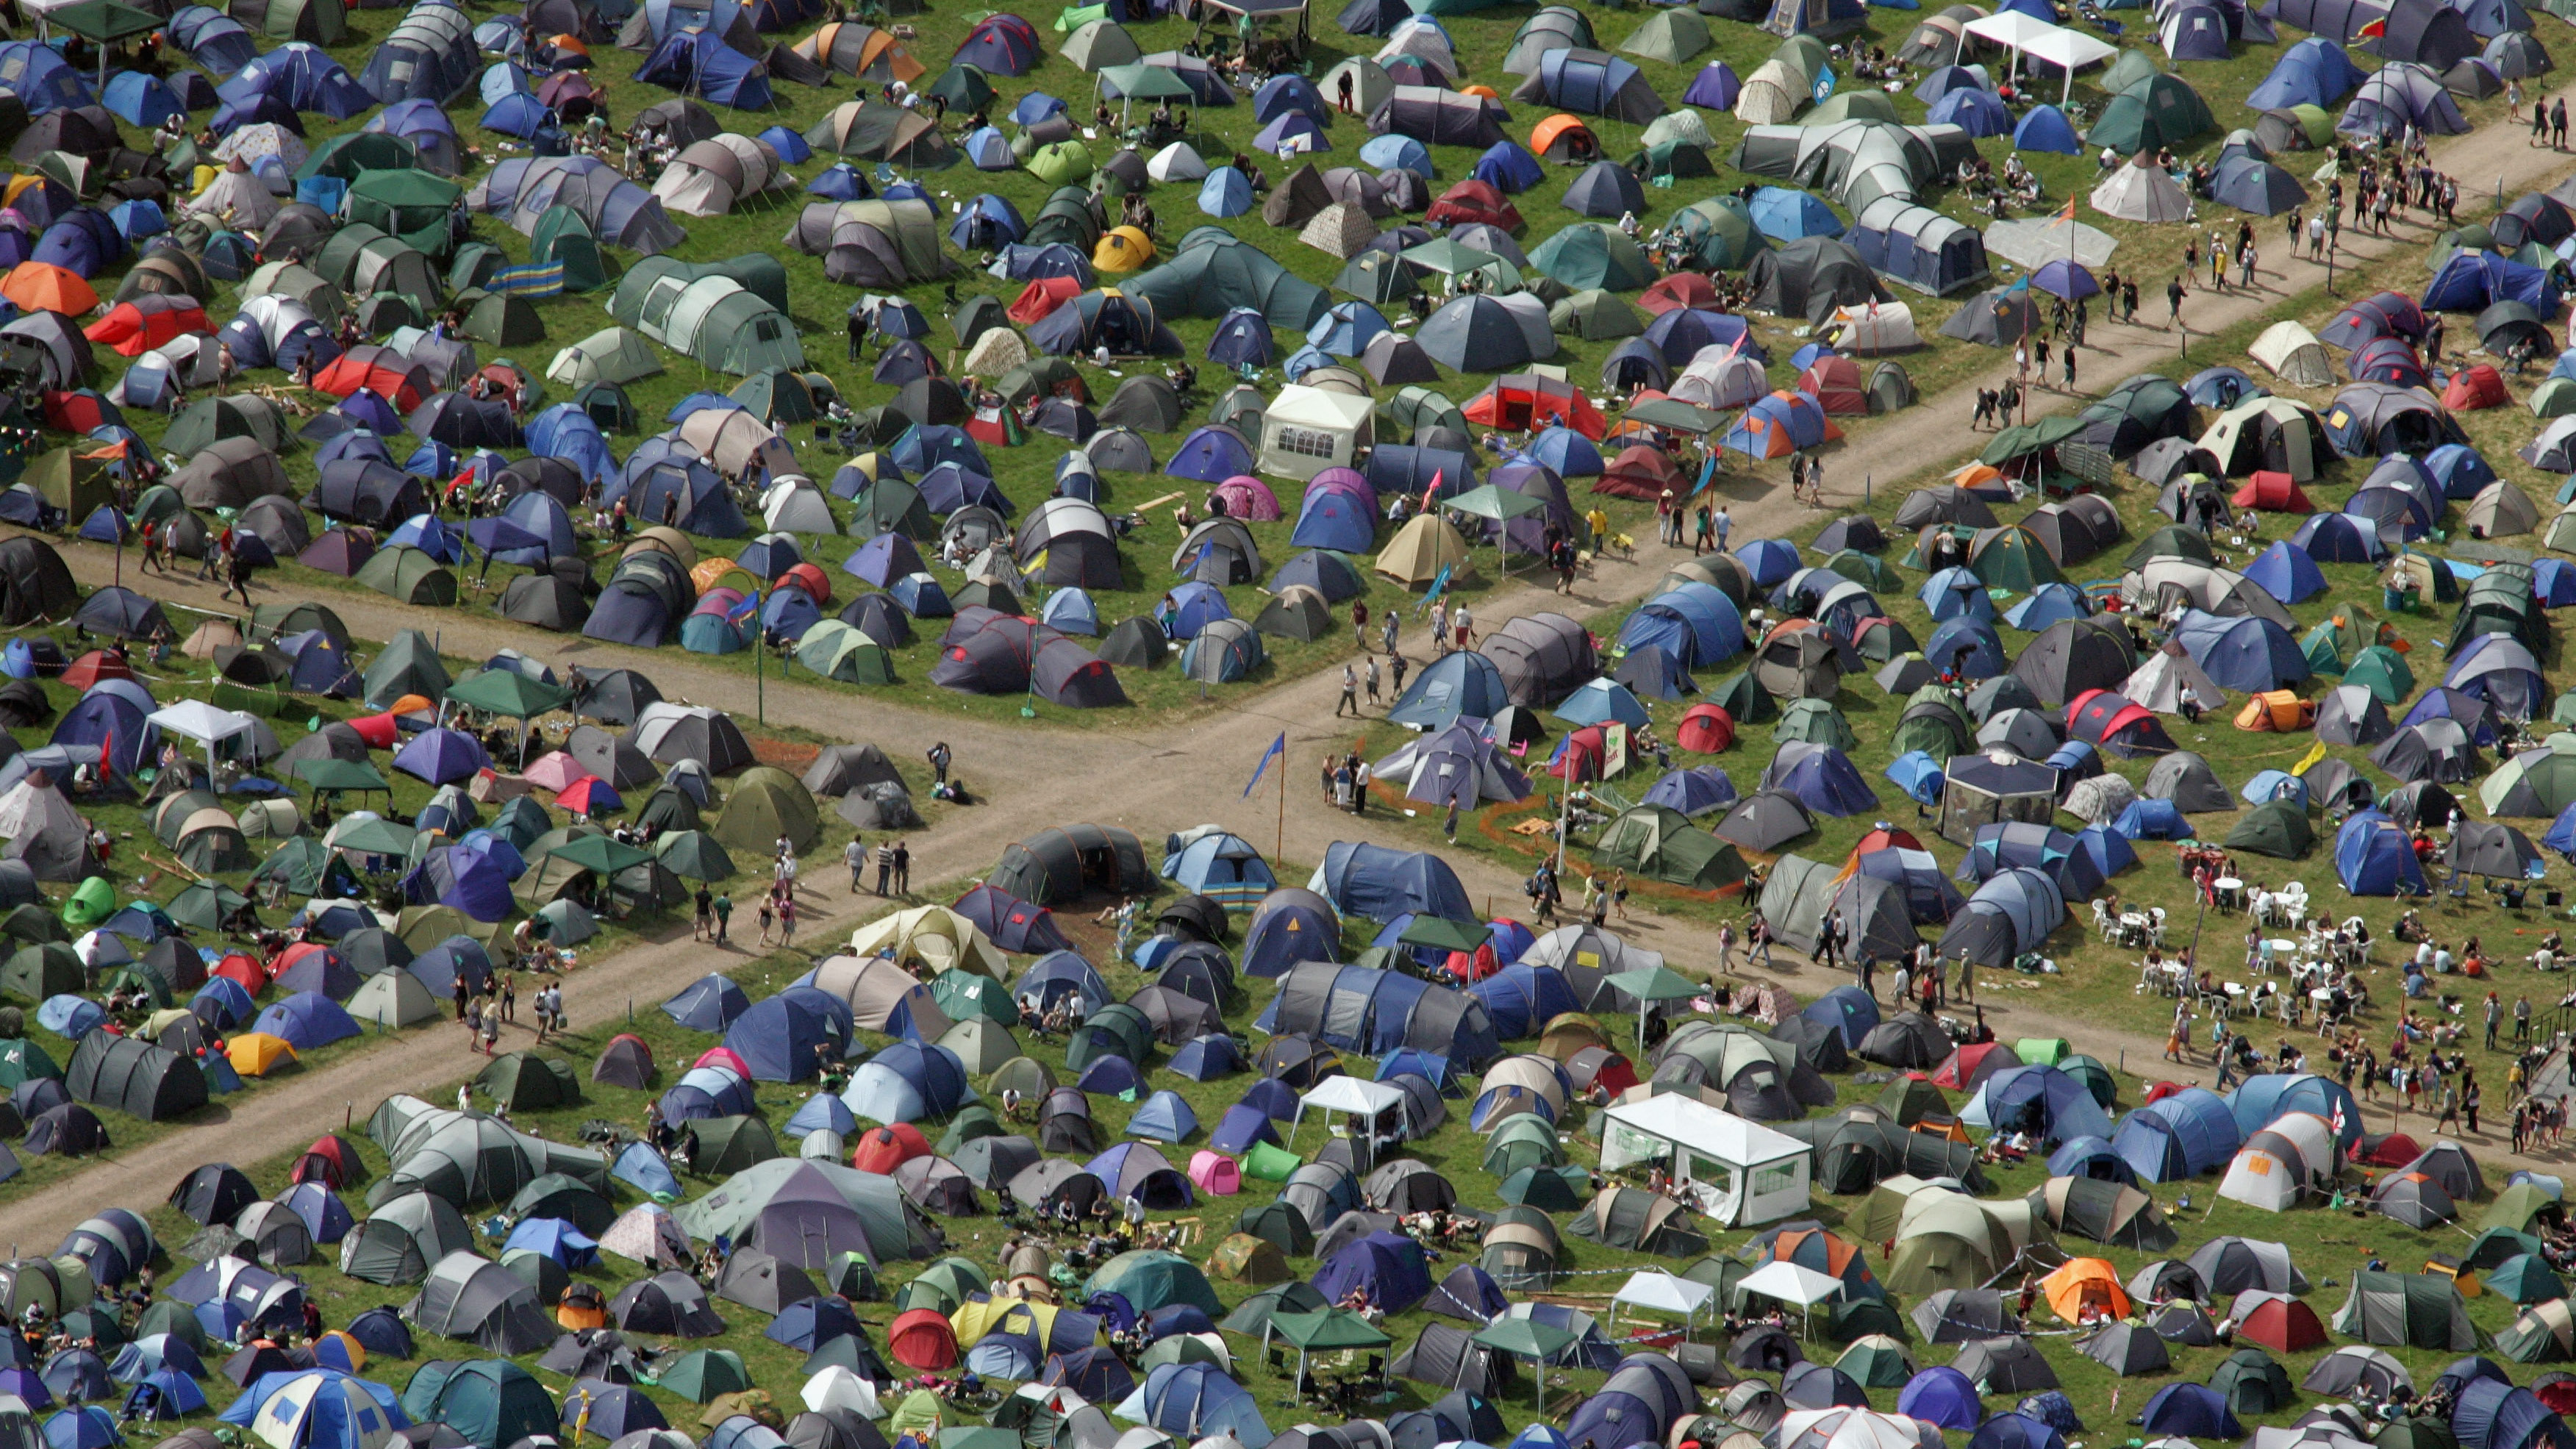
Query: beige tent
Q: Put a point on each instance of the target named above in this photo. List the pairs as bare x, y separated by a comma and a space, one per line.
1871, 328
996, 352
2168, 678
1177, 162
2141, 193
238, 199
1421, 549
731, 437
1683, 125
612, 354
2501, 510
2293, 354
874, 987
394, 998
711, 175
935, 936
1371, 86
1772, 96
2562, 531
2293, 423
210, 636
1100, 44
1342, 230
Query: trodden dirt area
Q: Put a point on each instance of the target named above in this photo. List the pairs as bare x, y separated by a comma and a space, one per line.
1153, 780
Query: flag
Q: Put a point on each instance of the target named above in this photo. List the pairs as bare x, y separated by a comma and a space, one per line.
2373, 30
1433, 491
1278, 748
2338, 1117
2314, 757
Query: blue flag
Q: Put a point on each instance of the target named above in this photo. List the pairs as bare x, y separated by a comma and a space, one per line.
1278, 748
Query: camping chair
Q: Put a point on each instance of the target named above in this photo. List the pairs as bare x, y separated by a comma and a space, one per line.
2103, 925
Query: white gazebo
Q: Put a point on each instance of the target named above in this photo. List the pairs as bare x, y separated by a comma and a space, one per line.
194, 719
1736, 1170
2068, 50
1349, 1096
1653, 1290
1792, 1283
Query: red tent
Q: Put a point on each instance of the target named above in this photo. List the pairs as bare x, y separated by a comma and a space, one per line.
94, 666
380, 370
809, 578
2158, 1091
2099, 717
1641, 473
2283, 1325
1042, 296
922, 1339
76, 412
1525, 401
136, 327
2273, 493
2394, 1150
1970, 1065
242, 972
1883, 837
725, 1057
278, 963
329, 1160
1834, 382
1580, 755
1472, 200
1706, 729
883, 1149
1681, 289
2475, 387
378, 730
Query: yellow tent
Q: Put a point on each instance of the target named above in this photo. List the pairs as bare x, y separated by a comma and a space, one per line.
1011, 1315
933, 936
1421, 549
355, 1351
256, 1053
1124, 249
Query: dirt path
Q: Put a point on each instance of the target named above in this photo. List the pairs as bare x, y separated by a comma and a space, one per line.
1153, 778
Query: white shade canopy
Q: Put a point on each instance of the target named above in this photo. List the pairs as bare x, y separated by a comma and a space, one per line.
1664, 1293
1790, 1283
2055, 44
197, 720
1350, 1094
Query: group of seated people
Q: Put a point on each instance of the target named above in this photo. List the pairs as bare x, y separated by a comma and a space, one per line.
1995, 194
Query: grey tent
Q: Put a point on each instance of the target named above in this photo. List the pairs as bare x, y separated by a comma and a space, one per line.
1437, 116
134, 1077
1474, 332
1811, 276
1765, 820
400, 1240
2188, 781
2418, 1310
2350, 714
467, 1297
670, 1304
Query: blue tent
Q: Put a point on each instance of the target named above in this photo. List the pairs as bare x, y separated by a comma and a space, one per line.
2045, 128
2050, 603
1848, 1010
1715, 87
1211, 454
1520, 998
2260, 1100
2460, 471
1377, 883
987, 223
2047, 1102
2314, 72
1822, 777
1397, 152
906, 1083
1242, 339
642, 1167
1603, 701
1785, 214
1196, 1400
1062, 975
2244, 653
1070, 611
2190, 1411
777, 1037
1293, 133
556, 1239
1696, 624
1955, 593
2089, 1157
2106, 848
1393, 1270
2184, 1135
813, 1322
307, 1020
1970, 647
1163, 1118
708, 1092
140, 100
1978, 112
1242, 1125
1769, 560
2287, 573
2339, 538
1288, 928
821, 1112
2500, 670
1225, 193
1334, 518
2473, 280
1346, 329
1918, 775
1944, 1396
1508, 168
1565, 452
1695, 791
1464, 682
1206, 1058
1932, 88
2443, 702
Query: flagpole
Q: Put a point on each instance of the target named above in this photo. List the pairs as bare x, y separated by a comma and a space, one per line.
1279, 841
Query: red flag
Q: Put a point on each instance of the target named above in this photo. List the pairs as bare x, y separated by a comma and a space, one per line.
1433, 491
2373, 30
107, 755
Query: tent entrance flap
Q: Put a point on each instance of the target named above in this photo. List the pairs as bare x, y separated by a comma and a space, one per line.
1738, 1171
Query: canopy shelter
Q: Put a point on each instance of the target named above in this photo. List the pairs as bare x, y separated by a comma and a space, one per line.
1738, 1171
1380, 1103
1792, 1283
2066, 49
1656, 1291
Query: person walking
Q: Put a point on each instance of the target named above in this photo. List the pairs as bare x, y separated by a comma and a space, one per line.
940, 757
768, 914
1706, 536
1439, 626
2539, 126
2494, 1012
854, 855
2173, 301
902, 867
885, 868
1359, 622
1726, 948
1369, 679
1724, 525
724, 916
1387, 631
1350, 693
2070, 367
2558, 124
2521, 1020
786, 917
1464, 624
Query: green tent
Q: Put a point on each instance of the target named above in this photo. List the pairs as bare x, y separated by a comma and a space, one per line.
2041, 1051
703, 1374
408, 665
409, 205
1659, 843
2324, 648
524, 1081
963, 87
1377, 277
965, 995
1816, 721
2535, 783
34, 973
1869, 572
1548, 1189
562, 235
832, 649
2174, 540
1877, 1362
350, 155
409, 575
1674, 160
1149, 1278
91, 902
2277, 828
1852, 105
22, 1060
1065, 163
1252, 1317
1743, 699
1593, 315
2554, 398
2158, 111
2415, 1310
508, 693
2545, 1332
502, 319
942, 1286
309, 868
1721, 233
766, 803
2131, 66
330, 774
1326, 1330
2519, 1206
722, 1145
694, 854
32, 922
2383, 671
1590, 255
2526, 1279
204, 905
2013, 558
1269, 1162
1530, 1339
1671, 36
973, 1121
79, 485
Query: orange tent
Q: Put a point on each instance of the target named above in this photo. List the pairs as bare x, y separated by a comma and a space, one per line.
712, 572
256, 1053
2081, 1281
883, 1149
812, 580
922, 1339
1523, 401
136, 327
1566, 131
1969, 475
44, 287
2273, 493
2277, 710
1488, 92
